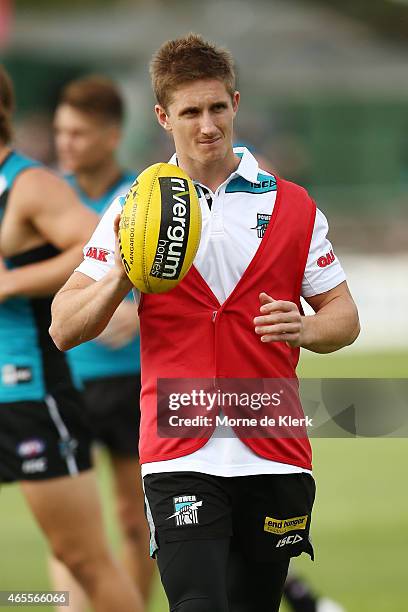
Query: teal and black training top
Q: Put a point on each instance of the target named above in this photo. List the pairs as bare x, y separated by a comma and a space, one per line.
92, 360
31, 366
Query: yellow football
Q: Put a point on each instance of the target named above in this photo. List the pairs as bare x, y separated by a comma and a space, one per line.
160, 228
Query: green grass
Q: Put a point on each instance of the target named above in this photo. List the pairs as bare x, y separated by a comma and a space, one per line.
347, 364
359, 525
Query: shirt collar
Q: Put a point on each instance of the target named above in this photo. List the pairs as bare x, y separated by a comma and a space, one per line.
247, 168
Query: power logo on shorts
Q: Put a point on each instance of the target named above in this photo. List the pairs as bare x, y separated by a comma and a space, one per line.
280, 526
186, 510
31, 447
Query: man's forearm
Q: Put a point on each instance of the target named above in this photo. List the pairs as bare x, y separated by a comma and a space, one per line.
80, 314
42, 278
335, 325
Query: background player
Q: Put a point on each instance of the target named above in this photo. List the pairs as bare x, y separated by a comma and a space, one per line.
88, 127
239, 481
44, 441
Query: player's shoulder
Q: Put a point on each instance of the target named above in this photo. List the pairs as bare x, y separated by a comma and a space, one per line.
295, 192
16, 163
39, 177
40, 187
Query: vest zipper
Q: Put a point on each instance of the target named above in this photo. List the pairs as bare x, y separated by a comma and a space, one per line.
213, 318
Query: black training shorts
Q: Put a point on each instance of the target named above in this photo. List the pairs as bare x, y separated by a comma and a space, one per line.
267, 515
44, 439
113, 412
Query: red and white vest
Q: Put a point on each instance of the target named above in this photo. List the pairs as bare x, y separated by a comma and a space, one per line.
187, 333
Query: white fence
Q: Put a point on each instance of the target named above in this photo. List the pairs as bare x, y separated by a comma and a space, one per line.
379, 285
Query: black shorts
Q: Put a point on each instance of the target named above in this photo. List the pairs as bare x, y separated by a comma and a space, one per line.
267, 515
44, 439
113, 411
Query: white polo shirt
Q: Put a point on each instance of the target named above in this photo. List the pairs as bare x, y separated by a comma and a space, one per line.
234, 219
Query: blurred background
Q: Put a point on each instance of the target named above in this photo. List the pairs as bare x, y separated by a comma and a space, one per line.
324, 88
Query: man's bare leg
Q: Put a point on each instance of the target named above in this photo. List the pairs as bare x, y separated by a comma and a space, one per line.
69, 513
63, 580
130, 508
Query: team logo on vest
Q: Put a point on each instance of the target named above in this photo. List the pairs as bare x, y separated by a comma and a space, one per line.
186, 510
174, 228
280, 526
262, 223
326, 260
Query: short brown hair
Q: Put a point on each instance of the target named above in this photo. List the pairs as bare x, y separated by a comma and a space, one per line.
188, 59
6, 106
94, 95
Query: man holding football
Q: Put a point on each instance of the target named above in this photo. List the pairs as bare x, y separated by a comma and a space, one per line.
236, 314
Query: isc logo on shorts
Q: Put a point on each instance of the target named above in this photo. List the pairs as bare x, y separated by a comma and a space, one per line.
290, 539
34, 466
280, 526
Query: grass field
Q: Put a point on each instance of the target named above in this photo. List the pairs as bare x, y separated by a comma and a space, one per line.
360, 527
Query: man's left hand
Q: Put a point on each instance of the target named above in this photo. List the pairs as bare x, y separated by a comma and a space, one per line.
280, 321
